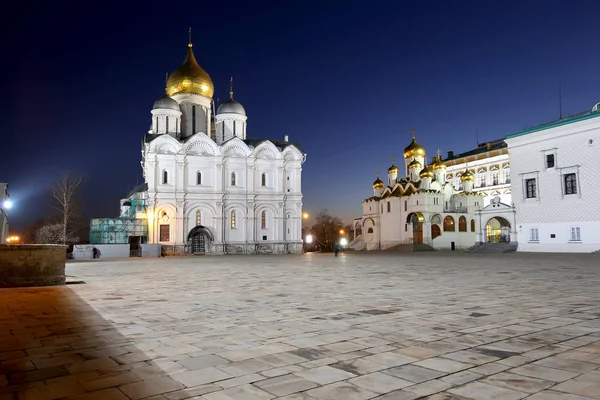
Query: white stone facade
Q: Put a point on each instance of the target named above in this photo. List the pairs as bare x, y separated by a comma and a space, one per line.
437, 205
208, 188
556, 185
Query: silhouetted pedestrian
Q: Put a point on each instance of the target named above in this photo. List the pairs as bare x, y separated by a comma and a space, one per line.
336, 249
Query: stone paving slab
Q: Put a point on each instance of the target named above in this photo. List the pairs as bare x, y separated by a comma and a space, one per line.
438, 326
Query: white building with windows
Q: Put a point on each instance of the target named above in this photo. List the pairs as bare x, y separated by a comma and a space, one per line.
447, 204
556, 184
209, 188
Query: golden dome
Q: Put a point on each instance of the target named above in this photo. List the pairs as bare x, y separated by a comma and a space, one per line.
415, 164
378, 184
439, 164
190, 78
427, 172
414, 149
468, 176
393, 169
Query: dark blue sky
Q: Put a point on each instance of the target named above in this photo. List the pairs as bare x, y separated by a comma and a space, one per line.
346, 80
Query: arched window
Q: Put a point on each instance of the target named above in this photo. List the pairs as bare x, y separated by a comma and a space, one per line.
263, 220
199, 178
370, 230
167, 124
462, 224
165, 177
472, 225
449, 224
233, 220
198, 218
193, 120
264, 179
233, 179
435, 231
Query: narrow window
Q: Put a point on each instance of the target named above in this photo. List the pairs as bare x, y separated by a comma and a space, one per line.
405, 205
370, 230
165, 177
233, 179
264, 180
472, 225
576, 234
165, 233
530, 185
199, 178
198, 218
449, 224
234, 128
233, 220
193, 120
462, 224
570, 183
156, 130
494, 178
533, 235
263, 220
167, 125
389, 207
549, 160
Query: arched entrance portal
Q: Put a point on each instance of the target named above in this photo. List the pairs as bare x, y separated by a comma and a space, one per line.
199, 238
497, 230
416, 220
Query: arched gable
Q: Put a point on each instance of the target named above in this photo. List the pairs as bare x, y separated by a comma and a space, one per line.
267, 150
371, 220
291, 152
266, 206
165, 144
162, 208
235, 148
198, 206
201, 144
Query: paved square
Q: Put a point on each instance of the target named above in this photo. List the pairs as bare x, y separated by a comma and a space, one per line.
389, 326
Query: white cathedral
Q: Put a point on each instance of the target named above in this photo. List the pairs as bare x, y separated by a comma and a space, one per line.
208, 187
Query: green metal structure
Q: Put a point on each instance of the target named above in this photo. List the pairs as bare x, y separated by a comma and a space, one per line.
119, 230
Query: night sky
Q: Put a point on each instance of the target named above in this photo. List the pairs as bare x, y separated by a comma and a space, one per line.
347, 82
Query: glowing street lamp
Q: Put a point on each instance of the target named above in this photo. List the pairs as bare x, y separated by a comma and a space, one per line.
342, 231
305, 215
7, 204
309, 239
343, 242
13, 239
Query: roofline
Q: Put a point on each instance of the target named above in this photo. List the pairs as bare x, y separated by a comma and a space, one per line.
555, 124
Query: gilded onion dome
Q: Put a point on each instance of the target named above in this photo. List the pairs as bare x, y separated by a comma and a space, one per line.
427, 172
393, 169
190, 78
439, 164
468, 176
378, 183
415, 164
414, 149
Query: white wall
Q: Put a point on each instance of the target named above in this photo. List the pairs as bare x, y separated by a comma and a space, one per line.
84, 251
575, 149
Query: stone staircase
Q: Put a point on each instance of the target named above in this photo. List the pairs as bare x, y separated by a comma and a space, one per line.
494, 248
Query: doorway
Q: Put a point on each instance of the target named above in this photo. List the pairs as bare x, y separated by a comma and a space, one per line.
497, 230
199, 239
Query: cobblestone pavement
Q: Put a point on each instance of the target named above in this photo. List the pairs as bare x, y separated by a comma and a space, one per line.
438, 326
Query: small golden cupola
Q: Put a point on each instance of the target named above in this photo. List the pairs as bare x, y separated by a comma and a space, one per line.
378, 184
190, 78
427, 172
393, 174
414, 164
393, 169
467, 176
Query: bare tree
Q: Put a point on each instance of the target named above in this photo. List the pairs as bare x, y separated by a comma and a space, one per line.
53, 234
327, 229
65, 192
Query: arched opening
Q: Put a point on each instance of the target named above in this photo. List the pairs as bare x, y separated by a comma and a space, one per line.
233, 179
263, 220
165, 177
264, 180
199, 178
416, 220
449, 224
370, 230
472, 225
497, 230
199, 238
198, 218
357, 230
233, 221
462, 224
435, 231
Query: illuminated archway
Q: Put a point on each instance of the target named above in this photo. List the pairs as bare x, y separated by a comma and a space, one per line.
497, 230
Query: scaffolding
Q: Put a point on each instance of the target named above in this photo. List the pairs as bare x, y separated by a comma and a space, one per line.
132, 222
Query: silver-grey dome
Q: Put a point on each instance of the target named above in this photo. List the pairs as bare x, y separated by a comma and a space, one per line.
231, 106
166, 103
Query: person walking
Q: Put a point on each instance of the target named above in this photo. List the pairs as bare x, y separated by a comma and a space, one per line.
336, 249
94, 253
